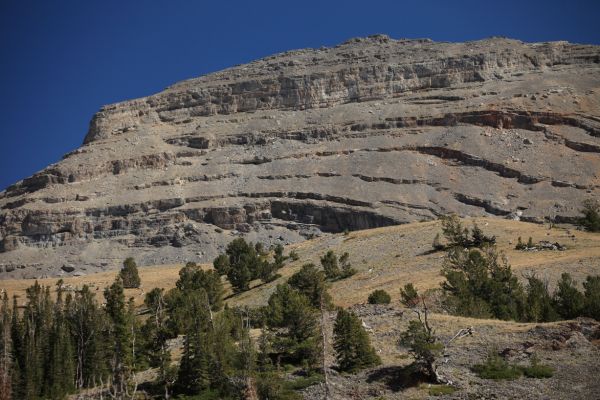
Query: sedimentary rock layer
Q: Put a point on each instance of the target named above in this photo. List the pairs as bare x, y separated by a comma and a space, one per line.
369, 133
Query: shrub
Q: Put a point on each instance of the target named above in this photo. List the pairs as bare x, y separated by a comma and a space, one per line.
437, 243
379, 296
294, 256
347, 270
441, 390
537, 370
591, 215
409, 295
129, 274
495, 367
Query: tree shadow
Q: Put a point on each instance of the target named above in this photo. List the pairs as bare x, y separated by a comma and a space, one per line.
397, 378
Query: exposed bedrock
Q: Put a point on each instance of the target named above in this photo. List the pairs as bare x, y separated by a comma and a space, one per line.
370, 133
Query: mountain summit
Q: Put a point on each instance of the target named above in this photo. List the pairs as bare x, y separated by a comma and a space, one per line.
369, 133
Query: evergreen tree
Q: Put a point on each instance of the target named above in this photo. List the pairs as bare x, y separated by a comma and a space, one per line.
221, 264
330, 265
351, 343
6, 351
156, 333
592, 297
129, 274
121, 340
568, 300
60, 366
311, 282
479, 284
244, 264
18, 364
409, 295
346, 267
455, 234
89, 329
194, 370
591, 215
192, 277
539, 302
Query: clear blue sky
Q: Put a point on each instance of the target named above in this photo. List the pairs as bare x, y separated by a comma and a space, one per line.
60, 61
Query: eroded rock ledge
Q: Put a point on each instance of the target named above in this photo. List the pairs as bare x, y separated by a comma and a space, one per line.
370, 133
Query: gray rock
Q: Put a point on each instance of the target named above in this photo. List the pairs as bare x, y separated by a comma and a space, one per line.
369, 133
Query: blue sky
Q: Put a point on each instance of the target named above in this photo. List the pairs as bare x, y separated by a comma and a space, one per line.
60, 61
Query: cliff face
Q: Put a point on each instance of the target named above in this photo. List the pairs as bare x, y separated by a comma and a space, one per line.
372, 132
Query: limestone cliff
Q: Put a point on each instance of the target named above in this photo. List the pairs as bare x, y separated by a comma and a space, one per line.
369, 133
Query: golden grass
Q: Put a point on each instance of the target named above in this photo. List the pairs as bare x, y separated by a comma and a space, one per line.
385, 258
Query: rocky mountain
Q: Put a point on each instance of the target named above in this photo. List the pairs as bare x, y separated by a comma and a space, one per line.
369, 133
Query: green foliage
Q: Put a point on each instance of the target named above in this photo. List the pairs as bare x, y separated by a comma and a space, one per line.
479, 284
409, 295
337, 269
347, 270
120, 336
441, 390
537, 370
591, 215
352, 344
129, 274
458, 236
192, 277
592, 297
244, 262
422, 343
539, 304
496, 368
568, 300
311, 282
292, 310
330, 265
294, 256
221, 264
379, 296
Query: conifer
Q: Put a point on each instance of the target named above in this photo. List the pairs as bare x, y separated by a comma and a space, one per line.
352, 344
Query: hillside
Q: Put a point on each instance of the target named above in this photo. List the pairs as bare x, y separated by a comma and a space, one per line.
371, 133
392, 256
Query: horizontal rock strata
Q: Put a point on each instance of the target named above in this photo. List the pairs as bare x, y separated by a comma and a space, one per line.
370, 133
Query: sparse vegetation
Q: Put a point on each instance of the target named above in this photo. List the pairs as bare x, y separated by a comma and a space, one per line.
379, 296
495, 367
351, 343
441, 390
335, 269
537, 370
591, 215
129, 274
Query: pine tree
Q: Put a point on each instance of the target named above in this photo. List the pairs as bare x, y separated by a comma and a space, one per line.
61, 369
16, 335
6, 351
330, 265
352, 344
311, 282
592, 297
129, 274
157, 333
194, 370
539, 302
89, 329
568, 300
120, 338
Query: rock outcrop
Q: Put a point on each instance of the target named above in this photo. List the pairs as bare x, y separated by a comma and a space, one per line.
372, 132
